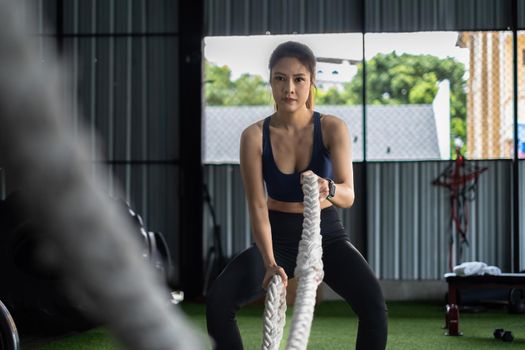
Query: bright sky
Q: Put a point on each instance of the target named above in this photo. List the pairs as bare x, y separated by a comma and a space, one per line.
250, 54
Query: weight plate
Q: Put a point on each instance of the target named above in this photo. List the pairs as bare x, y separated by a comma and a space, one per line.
8, 333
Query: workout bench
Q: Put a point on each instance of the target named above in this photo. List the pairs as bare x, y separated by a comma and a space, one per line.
505, 280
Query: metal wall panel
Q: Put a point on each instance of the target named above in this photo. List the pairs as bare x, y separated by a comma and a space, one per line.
228, 200
121, 63
256, 17
127, 95
437, 15
408, 218
521, 14
127, 83
120, 17
259, 17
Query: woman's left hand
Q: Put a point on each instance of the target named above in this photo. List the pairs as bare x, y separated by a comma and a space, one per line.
323, 184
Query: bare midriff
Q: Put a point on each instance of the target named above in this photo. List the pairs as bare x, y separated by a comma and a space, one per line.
291, 207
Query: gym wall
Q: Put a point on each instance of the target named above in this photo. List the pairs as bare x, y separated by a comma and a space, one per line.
132, 87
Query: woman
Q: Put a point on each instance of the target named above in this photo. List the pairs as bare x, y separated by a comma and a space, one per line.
277, 151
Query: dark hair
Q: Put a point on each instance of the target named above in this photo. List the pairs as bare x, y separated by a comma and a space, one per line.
301, 52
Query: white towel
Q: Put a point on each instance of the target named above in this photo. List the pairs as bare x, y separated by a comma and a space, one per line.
471, 268
492, 270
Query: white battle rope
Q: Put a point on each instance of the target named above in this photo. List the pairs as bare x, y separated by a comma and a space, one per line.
274, 314
309, 274
87, 237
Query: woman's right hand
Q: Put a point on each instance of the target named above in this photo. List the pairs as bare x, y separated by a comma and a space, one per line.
272, 271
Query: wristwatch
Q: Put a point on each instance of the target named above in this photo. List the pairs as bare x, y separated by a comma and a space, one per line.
331, 189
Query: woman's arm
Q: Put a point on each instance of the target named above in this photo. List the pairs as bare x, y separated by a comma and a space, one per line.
251, 172
337, 136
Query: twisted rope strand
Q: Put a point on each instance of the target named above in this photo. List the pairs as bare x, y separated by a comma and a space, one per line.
309, 273
274, 314
309, 268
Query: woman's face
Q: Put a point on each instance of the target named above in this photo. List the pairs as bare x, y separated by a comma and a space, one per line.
290, 82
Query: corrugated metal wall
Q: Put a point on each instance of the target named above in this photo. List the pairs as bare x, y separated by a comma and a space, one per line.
408, 218
124, 62
122, 56
437, 15
257, 17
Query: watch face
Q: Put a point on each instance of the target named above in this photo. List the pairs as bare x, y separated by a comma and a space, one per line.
331, 188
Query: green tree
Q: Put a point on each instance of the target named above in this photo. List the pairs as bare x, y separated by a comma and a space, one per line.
218, 85
331, 96
220, 90
412, 79
250, 90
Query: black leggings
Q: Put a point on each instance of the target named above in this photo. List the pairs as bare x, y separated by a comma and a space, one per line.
345, 271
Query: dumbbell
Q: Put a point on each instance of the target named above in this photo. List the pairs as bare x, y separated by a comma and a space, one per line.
504, 335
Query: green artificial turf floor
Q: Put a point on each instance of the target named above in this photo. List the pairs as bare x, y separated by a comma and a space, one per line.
412, 325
